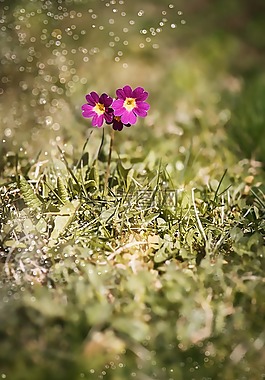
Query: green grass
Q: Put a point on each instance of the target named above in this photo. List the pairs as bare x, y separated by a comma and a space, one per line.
161, 277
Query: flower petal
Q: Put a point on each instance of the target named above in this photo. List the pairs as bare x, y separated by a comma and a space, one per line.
100, 120
106, 100
119, 111
118, 103
142, 105
120, 94
128, 118
95, 120
87, 110
118, 107
140, 94
140, 112
90, 100
94, 96
137, 92
108, 117
117, 125
127, 91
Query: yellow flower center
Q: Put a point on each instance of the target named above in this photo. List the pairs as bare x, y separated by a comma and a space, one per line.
129, 104
99, 108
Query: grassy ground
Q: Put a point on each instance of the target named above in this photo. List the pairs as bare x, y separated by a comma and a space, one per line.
161, 275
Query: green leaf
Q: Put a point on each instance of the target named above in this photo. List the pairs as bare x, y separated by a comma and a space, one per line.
123, 172
14, 244
236, 234
90, 184
62, 191
150, 217
93, 175
107, 214
160, 256
62, 221
28, 194
41, 226
28, 226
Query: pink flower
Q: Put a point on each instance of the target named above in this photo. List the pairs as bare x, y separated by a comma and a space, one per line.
130, 104
117, 125
98, 107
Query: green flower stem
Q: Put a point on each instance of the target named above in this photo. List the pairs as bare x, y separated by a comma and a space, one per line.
109, 160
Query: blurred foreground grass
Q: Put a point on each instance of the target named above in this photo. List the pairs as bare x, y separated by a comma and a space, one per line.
163, 276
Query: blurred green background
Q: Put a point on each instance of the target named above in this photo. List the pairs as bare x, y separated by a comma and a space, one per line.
202, 62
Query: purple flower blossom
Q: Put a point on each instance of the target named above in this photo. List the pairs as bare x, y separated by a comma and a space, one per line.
98, 107
117, 125
130, 104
